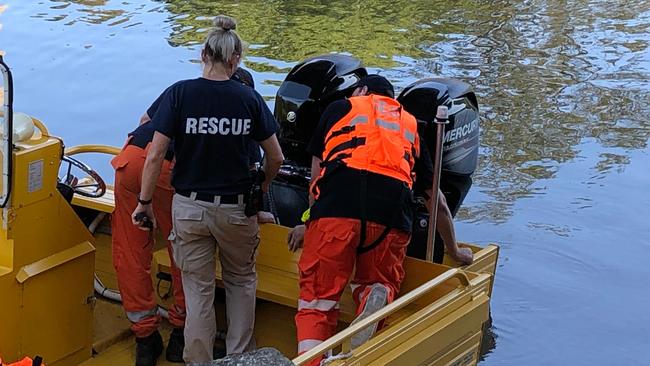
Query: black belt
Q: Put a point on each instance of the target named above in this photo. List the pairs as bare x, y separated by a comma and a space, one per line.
228, 199
142, 143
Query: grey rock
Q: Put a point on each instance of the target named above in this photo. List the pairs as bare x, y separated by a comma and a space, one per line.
261, 357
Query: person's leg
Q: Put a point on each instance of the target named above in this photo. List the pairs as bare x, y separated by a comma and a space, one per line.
379, 274
132, 254
162, 206
325, 266
194, 253
238, 237
132, 247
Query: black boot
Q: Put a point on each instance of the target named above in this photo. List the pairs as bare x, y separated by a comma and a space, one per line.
218, 350
148, 349
175, 346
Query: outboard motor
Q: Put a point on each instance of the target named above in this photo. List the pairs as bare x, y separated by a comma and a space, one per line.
460, 145
305, 93
316, 82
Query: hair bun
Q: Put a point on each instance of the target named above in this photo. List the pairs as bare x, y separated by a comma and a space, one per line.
225, 22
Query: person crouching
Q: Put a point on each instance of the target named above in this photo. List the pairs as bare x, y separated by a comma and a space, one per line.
363, 150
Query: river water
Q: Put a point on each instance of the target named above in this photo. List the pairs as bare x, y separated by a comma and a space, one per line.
562, 184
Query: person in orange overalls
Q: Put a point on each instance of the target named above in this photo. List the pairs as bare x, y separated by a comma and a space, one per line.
133, 248
363, 151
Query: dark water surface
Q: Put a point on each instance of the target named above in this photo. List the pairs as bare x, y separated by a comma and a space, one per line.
564, 89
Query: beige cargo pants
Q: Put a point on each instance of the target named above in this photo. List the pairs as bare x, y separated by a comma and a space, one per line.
200, 228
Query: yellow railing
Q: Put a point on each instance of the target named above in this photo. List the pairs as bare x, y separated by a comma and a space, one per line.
344, 337
92, 148
41, 126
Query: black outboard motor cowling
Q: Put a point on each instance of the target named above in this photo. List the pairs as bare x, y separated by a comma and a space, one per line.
316, 82
305, 93
460, 144
301, 99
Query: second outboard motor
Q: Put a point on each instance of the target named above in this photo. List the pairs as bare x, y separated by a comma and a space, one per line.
305, 93
460, 144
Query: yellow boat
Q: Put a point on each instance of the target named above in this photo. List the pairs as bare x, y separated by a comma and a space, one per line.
54, 252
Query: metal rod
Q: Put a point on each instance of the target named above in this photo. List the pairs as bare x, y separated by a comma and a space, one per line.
7, 140
440, 121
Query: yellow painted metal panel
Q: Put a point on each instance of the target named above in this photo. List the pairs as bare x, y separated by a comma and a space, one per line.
9, 317
436, 313
35, 173
434, 340
45, 228
56, 315
6, 253
440, 333
55, 260
5, 270
47, 274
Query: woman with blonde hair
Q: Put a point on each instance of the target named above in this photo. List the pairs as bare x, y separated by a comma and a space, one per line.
212, 120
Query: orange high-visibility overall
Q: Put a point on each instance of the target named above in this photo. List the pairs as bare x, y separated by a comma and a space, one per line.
24, 362
375, 136
133, 248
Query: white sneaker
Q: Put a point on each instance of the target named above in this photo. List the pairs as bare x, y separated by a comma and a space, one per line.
377, 299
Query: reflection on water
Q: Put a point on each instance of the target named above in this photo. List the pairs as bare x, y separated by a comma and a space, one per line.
556, 80
548, 73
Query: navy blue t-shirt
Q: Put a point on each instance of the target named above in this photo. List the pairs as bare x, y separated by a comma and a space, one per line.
144, 134
212, 124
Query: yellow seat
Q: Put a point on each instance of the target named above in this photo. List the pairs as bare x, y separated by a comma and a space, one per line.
105, 203
277, 271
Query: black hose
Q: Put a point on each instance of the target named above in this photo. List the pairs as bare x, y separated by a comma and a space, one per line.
10, 124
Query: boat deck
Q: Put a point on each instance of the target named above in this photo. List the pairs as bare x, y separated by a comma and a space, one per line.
277, 296
114, 344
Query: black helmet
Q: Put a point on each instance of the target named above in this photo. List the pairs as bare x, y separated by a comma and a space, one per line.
308, 88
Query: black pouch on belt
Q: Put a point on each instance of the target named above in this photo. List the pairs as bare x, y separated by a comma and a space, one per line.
255, 199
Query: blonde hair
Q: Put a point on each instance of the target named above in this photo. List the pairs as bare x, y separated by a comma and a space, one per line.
222, 42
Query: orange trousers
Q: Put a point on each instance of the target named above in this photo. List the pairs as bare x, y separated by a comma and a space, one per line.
327, 261
133, 248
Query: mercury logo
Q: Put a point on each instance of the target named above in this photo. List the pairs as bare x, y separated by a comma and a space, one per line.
291, 117
461, 132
